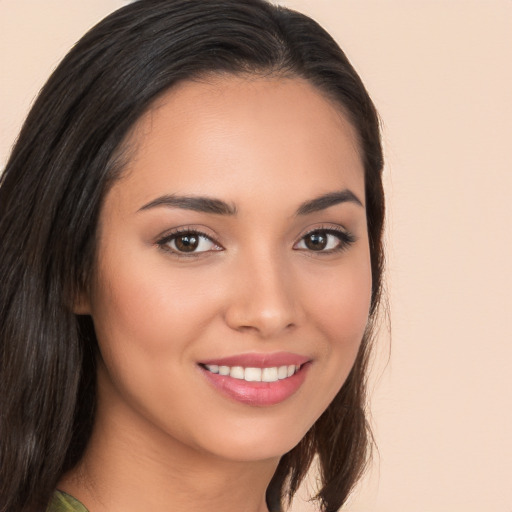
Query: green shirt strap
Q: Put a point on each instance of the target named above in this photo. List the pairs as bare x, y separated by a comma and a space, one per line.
62, 502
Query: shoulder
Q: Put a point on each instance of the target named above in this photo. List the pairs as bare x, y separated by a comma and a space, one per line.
62, 502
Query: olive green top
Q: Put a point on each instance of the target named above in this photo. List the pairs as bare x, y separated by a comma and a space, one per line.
62, 502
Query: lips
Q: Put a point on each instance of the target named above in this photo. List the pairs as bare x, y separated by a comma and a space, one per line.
257, 379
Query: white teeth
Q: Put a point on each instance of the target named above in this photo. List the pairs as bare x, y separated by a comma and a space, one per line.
252, 374
255, 374
269, 374
282, 372
236, 372
224, 370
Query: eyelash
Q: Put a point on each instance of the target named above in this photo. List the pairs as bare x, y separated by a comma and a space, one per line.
345, 239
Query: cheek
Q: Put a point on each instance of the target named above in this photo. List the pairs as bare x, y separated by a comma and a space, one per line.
350, 310
139, 296
339, 310
341, 304
146, 322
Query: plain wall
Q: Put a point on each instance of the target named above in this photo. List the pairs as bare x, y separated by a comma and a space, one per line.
440, 75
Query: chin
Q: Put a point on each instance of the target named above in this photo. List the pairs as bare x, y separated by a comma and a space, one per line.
255, 441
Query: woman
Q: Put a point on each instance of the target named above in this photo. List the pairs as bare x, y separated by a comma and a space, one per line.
191, 229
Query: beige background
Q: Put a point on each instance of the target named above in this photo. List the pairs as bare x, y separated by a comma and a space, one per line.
440, 74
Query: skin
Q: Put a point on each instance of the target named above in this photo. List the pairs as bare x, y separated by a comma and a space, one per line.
164, 437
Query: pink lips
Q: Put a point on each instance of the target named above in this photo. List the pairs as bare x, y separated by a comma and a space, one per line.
258, 393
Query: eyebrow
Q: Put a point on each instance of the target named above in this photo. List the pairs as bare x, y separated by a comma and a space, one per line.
195, 203
327, 200
219, 207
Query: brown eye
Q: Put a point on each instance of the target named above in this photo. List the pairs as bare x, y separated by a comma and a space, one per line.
187, 243
316, 241
325, 240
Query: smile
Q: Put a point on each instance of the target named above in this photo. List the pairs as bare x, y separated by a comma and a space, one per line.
257, 379
270, 374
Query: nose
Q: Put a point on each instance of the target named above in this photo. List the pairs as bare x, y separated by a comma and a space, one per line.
262, 299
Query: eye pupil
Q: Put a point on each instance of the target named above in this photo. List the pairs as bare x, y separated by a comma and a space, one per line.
316, 241
187, 243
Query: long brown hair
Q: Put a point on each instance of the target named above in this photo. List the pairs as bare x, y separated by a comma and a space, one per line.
60, 169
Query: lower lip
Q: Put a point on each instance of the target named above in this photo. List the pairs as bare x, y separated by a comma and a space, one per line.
257, 393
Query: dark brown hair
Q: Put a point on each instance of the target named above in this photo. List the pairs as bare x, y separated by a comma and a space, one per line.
60, 169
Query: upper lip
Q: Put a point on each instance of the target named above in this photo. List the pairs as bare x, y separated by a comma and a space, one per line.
259, 360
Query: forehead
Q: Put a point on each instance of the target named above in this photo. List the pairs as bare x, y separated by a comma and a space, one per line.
231, 134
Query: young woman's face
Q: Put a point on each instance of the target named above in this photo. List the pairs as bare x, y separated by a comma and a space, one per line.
233, 271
